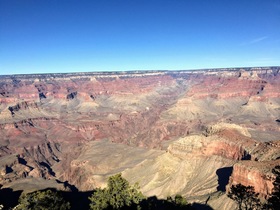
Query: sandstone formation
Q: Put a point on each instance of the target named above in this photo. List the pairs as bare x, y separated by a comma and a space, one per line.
188, 132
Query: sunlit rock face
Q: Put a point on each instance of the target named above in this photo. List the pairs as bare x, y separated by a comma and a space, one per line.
256, 174
257, 171
170, 131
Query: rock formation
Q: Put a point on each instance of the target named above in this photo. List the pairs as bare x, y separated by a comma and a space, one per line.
188, 132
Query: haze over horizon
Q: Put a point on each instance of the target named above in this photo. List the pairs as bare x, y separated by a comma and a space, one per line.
39, 36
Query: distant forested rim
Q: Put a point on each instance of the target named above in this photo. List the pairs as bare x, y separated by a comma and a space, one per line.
135, 72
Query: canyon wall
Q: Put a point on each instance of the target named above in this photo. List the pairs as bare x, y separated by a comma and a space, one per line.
157, 128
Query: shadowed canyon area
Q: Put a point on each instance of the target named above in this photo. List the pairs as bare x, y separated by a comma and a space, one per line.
193, 133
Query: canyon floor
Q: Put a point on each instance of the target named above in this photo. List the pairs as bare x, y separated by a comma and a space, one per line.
193, 133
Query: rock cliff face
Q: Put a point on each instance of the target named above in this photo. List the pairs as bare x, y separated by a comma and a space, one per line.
157, 128
256, 174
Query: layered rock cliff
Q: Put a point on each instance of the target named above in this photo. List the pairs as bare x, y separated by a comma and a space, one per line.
172, 131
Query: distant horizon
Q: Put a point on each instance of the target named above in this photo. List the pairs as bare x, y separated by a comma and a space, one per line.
140, 71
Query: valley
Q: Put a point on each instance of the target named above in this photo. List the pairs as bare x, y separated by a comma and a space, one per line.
189, 132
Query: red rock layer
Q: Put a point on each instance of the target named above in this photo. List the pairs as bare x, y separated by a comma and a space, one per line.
46, 120
256, 174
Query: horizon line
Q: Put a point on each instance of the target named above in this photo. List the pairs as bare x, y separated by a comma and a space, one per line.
135, 71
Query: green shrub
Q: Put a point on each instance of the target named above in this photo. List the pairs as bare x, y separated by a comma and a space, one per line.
42, 200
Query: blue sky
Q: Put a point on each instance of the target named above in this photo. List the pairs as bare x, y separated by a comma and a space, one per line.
43, 36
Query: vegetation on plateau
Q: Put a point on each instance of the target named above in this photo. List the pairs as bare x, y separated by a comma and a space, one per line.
119, 194
245, 197
42, 200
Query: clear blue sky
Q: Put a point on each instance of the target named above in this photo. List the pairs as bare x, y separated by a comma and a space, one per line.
41, 36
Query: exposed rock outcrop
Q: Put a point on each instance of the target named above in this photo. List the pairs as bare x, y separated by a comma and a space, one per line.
53, 127
256, 174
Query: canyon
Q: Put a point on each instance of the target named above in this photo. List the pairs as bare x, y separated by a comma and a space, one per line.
193, 132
